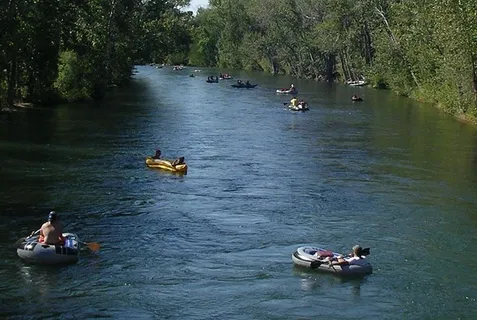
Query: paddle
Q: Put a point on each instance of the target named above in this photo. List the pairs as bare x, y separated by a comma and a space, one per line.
19, 241
93, 246
316, 264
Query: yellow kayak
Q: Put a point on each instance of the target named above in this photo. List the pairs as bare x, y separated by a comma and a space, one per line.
174, 166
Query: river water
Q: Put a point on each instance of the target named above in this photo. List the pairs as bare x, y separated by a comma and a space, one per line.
388, 173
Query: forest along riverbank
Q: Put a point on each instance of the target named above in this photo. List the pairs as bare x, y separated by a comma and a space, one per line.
379, 44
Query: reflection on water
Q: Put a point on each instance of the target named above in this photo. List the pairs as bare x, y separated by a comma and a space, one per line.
314, 280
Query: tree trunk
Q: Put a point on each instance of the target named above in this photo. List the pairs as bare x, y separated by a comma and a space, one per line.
474, 79
369, 54
330, 64
11, 85
396, 44
343, 66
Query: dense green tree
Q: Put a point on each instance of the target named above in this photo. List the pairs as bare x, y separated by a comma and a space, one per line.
75, 49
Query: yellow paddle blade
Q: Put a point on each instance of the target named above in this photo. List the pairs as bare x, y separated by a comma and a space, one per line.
93, 246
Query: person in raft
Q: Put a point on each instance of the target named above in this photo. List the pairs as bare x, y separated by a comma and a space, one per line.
294, 102
356, 255
157, 155
51, 232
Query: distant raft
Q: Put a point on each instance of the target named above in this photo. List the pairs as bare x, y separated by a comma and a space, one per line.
318, 259
177, 166
299, 107
246, 86
33, 251
287, 91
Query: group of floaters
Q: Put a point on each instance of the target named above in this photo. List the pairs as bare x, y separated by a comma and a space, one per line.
246, 84
215, 79
226, 76
294, 104
300, 106
49, 245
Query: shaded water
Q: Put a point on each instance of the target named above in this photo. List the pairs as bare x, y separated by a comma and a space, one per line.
387, 173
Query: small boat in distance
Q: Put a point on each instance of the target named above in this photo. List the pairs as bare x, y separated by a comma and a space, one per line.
241, 84
176, 166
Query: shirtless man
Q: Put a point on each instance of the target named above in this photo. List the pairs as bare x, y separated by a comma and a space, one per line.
51, 231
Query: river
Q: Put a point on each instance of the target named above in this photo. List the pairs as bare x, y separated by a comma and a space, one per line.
388, 173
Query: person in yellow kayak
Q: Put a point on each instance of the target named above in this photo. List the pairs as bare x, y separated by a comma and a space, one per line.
294, 102
157, 155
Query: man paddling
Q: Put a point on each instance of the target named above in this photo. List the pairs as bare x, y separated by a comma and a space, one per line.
51, 232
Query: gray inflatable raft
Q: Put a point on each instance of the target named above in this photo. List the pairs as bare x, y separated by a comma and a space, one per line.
318, 259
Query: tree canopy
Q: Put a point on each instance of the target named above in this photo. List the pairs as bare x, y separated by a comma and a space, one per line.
75, 49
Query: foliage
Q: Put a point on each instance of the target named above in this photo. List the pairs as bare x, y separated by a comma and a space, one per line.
70, 83
74, 49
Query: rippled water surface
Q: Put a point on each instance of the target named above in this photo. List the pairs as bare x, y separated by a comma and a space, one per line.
387, 173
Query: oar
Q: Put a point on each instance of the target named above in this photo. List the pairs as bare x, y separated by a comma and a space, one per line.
93, 246
316, 264
19, 241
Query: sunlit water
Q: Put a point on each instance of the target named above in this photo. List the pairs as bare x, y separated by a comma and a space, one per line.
387, 173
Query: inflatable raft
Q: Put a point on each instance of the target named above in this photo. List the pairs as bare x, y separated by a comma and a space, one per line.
246, 86
287, 91
298, 108
33, 251
178, 165
319, 259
